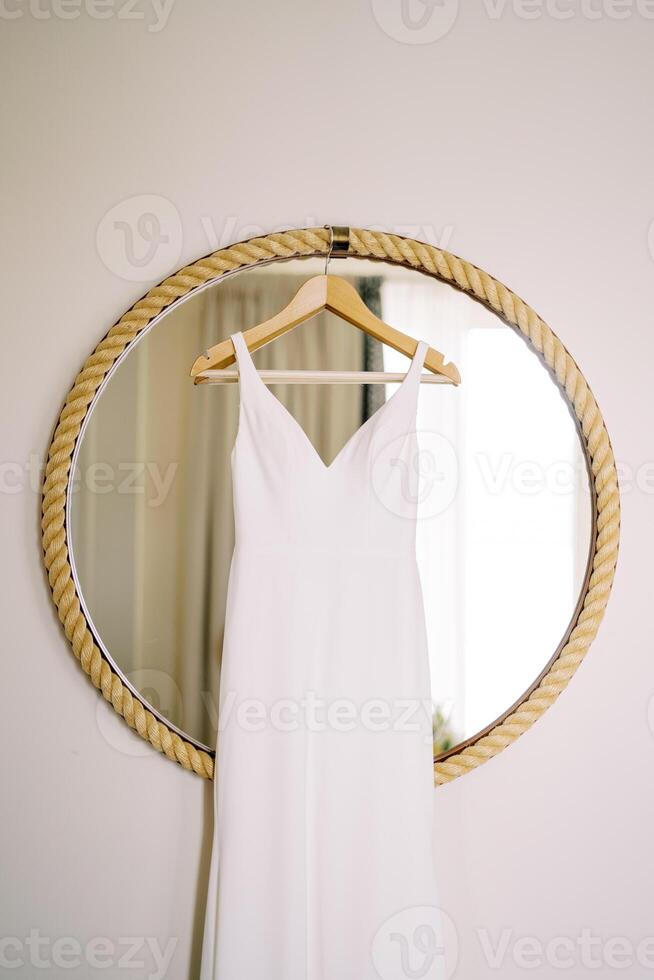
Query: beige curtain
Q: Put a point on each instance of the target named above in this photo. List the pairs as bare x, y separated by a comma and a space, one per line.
153, 554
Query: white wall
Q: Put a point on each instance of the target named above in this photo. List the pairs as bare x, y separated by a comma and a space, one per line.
523, 143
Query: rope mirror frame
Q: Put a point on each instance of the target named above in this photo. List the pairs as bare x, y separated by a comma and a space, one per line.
394, 249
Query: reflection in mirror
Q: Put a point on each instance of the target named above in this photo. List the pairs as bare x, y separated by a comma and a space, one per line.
505, 504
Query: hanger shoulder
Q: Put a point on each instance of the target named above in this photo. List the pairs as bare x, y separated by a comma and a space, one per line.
343, 299
319, 293
309, 300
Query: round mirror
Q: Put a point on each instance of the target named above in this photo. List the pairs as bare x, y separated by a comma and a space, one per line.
506, 509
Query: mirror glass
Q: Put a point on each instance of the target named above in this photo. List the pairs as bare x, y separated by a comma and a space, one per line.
504, 498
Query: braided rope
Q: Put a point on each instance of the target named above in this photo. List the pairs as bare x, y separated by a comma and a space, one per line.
367, 244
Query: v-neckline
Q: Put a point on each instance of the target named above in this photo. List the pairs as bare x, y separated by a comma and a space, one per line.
328, 467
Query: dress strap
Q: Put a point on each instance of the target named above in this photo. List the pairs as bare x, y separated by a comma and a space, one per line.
240, 348
419, 356
411, 382
244, 362
417, 363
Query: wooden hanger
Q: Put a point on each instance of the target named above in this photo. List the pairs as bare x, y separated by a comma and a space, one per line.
319, 293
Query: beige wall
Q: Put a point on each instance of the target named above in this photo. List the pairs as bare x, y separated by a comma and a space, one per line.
522, 143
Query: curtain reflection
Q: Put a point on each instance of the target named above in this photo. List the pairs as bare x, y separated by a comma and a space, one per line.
157, 597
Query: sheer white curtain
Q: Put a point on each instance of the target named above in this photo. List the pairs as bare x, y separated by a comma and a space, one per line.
441, 410
501, 557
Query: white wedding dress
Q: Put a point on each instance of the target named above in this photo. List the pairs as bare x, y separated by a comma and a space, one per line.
322, 864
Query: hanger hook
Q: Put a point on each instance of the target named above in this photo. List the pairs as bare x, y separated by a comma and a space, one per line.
339, 243
331, 245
